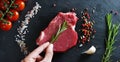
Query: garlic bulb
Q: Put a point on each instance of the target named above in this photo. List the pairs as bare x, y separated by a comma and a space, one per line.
91, 50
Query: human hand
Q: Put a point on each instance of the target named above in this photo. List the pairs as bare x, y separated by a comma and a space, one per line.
35, 57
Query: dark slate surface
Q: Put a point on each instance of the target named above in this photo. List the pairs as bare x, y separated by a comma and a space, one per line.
10, 51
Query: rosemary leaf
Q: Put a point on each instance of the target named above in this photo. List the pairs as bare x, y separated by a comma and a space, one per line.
112, 32
109, 17
62, 28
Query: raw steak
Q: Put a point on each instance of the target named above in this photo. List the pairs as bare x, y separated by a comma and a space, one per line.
67, 38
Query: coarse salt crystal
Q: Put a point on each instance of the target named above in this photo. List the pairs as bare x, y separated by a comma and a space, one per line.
80, 45
22, 30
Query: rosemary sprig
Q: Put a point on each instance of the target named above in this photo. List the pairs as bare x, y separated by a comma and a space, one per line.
112, 32
62, 28
7, 10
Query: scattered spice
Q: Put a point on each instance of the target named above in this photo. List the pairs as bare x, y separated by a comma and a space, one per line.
87, 27
54, 5
73, 9
116, 12
22, 30
80, 45
111, 11
93, 10
112, 32
86, 10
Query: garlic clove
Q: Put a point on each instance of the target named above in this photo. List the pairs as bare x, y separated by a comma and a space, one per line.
91, 50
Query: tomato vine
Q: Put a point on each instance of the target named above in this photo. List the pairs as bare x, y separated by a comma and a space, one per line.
9, 11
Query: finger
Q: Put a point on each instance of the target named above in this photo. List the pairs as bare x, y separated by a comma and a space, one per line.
49, 54
38, 50
39, 58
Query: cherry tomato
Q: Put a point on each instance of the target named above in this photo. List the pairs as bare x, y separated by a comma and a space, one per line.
4, 6
14, 16
20, 5
6, 26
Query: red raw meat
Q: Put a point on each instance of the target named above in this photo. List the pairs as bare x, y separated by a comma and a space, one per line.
67, 38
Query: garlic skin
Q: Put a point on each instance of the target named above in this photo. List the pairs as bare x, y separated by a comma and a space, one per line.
91, 50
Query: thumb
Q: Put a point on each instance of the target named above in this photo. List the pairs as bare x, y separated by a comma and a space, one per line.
49, 54
38, 50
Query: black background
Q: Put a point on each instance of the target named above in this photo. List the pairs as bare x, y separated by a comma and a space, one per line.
10, 51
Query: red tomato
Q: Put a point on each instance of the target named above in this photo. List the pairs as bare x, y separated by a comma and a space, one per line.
14, 16
20, 5
6, 26
2, 4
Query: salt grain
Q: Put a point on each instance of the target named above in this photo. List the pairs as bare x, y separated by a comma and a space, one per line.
22, 29
116, 12
93, 11
54, 5
80, 45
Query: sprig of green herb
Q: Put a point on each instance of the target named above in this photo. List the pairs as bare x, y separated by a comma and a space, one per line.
112, 32
62, 28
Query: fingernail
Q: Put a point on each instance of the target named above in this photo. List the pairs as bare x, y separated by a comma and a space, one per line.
47, 42
51, 45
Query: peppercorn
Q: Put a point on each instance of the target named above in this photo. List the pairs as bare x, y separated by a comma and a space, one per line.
54, 5
87, 27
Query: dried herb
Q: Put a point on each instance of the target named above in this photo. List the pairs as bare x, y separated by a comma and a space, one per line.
112, 32
62, 28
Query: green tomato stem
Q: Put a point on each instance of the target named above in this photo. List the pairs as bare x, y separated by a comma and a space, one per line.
7, 10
